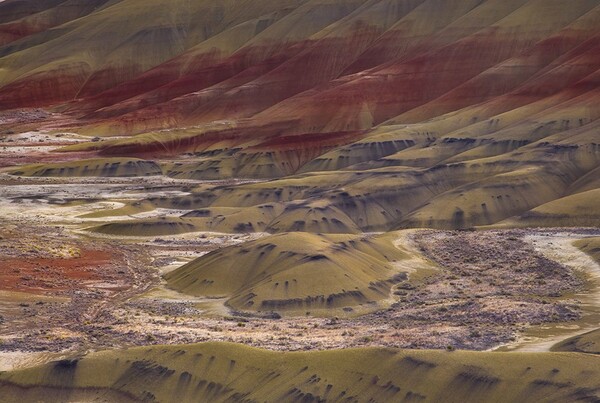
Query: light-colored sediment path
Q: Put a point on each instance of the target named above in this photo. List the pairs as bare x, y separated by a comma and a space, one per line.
559, 247
416, 261
14, 360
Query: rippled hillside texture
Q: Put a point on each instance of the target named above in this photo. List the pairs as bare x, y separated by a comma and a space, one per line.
379, 114
299, 200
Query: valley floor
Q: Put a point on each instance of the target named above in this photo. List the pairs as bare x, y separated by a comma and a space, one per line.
65, 291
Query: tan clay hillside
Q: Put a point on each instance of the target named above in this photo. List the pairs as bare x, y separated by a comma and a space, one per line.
581, 209
228, 372
458, 195
147, 227
297, 272
108, 167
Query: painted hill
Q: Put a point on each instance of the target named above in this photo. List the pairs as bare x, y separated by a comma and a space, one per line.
297, 273
446, 114
323, 123
220, 372
99, 167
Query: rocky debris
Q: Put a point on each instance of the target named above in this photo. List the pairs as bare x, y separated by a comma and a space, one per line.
160, 307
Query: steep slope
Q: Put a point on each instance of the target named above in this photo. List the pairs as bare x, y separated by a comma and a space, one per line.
17, 9
42, 20
378, 114
76, 61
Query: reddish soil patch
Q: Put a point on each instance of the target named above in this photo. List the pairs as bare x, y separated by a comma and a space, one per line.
39, 275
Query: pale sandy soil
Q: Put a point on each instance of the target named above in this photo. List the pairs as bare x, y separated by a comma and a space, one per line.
33, 146
14, 360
